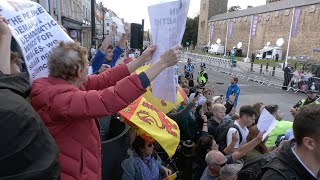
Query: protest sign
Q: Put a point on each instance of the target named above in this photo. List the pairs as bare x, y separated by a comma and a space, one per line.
120, 25
266, 122
35, 31
168, 22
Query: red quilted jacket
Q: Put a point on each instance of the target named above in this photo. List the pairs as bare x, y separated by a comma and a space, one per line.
70, 114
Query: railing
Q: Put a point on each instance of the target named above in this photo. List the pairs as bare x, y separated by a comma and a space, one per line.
244, 71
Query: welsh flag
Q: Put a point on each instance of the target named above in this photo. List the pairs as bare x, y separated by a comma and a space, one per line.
151, 122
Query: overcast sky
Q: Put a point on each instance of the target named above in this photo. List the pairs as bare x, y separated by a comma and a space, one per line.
133, 11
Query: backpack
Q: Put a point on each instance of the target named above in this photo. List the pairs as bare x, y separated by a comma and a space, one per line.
254, 168
222, 131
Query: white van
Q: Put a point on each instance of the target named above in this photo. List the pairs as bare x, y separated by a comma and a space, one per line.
216, 49
269, 53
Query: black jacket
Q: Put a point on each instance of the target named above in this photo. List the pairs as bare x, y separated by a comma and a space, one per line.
288, 164
27, 150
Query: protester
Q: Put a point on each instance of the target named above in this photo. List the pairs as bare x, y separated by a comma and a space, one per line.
287, 76
207, 143
312, 98
144, 163
260, 148
240, 127
281, 126
27, 151
258, 107
233, 89
186, 120
218, 111
301, 157
202, 79
106, 54
69, 102
215, 161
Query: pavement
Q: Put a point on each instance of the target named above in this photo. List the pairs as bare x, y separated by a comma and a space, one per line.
251, 91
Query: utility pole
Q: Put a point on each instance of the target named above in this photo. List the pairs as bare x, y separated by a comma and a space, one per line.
93, 23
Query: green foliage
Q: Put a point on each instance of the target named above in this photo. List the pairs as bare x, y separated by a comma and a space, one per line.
191, 32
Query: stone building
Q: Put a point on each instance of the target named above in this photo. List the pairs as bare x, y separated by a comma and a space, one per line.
209, 8
274, 21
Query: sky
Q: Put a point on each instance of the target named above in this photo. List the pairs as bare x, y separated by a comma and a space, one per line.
133, 11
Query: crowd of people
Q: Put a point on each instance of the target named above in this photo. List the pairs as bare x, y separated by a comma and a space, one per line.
53, 129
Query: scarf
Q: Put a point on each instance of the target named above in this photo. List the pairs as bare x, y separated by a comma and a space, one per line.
149, 170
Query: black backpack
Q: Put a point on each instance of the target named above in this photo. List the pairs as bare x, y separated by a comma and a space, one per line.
222, 131
255, 167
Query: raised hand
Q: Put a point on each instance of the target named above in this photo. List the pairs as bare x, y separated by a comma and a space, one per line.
171, 57
148, 53
235, 137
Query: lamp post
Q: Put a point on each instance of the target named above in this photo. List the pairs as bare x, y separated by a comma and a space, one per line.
93, 23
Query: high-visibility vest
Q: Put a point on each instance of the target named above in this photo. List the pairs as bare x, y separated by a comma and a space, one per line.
304, 101
201, 79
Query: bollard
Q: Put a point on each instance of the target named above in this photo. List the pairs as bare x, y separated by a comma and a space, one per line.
251, 69
261, 69
267, 67
273, 71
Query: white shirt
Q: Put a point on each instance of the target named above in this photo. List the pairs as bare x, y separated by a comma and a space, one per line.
293, 148
244, 132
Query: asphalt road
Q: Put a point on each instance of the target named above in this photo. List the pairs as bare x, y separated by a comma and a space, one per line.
251, 92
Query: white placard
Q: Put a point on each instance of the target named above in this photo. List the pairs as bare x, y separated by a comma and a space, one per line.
266, 122
168, 22
35, 31
120, 25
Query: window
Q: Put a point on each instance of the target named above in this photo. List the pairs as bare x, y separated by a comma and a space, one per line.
108, 24
277, 13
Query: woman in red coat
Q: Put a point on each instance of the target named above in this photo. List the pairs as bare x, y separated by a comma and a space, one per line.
69, 102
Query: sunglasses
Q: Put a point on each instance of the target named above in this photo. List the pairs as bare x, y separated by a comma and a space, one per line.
220, 165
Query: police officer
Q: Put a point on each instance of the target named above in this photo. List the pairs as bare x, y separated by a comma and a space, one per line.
312, 98
202, 76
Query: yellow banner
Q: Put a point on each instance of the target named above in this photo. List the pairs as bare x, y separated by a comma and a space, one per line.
163, 105
155, 123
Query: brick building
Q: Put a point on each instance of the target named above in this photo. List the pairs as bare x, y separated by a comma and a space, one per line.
274, 22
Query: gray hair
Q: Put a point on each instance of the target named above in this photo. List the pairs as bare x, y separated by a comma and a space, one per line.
231, 169
66, 60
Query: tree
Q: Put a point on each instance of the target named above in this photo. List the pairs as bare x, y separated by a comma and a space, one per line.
234, 8
191, 32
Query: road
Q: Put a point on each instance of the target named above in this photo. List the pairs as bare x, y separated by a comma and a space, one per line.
251, 92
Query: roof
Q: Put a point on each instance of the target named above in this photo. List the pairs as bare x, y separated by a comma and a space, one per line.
275, 6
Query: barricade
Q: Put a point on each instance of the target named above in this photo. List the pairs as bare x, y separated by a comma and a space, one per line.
245, 72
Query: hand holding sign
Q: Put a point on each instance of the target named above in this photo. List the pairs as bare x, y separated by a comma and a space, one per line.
120, 25
147, 54
171, 57
4, 27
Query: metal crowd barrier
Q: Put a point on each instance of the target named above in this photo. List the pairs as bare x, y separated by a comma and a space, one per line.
245, 72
